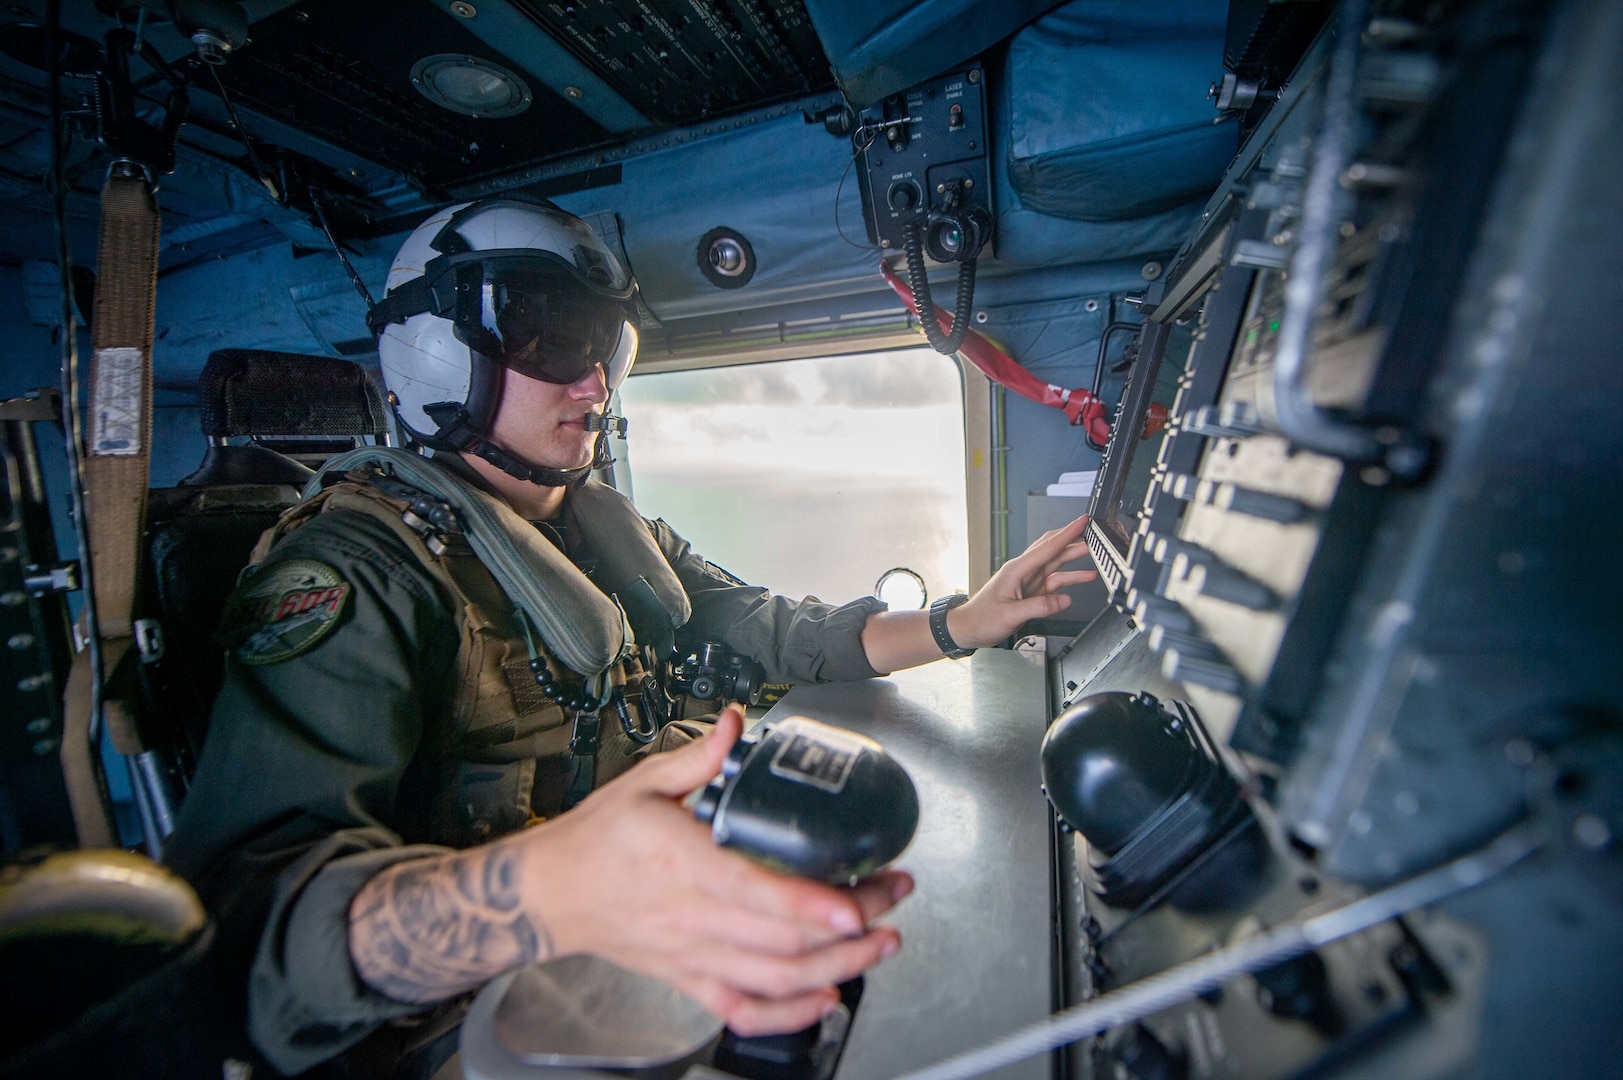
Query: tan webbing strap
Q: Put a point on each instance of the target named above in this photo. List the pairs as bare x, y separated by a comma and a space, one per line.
92, 817
121, 396
119, 446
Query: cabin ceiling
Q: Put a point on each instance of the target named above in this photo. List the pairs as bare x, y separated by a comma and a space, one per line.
448, 94
387, 107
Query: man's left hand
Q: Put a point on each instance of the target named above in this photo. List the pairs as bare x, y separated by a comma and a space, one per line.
1024, 588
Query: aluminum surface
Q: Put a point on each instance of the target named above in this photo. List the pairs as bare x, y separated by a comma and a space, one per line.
976, 959
585, 1011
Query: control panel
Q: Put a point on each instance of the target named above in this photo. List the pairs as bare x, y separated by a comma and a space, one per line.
921, 150
1356, 560
1227, 874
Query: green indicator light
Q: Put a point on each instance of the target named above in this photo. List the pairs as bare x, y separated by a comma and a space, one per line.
1273, 326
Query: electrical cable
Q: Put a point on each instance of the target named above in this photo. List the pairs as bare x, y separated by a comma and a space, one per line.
919, 281
72, 421
1099, 368
1270, 948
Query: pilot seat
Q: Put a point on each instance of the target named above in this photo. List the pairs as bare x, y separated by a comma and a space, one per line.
295, 411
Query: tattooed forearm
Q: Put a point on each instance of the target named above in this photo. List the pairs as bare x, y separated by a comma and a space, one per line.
428, 930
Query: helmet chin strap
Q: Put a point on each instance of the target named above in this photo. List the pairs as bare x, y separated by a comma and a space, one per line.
456, 433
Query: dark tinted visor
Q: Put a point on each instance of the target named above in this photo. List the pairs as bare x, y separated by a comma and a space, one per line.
535, 318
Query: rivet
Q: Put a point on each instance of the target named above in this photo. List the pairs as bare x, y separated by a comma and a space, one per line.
20, 641
463, 9
574, 93
1519, 752
1592, 832
39, 726
44, 746
974, 75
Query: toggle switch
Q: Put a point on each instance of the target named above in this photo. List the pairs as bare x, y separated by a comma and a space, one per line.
1252, 503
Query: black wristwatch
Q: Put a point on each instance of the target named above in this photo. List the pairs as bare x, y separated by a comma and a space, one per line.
938, 626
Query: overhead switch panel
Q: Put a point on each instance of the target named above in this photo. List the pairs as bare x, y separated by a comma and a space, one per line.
679, 61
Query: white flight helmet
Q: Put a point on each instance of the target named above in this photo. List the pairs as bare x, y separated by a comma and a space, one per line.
503, 282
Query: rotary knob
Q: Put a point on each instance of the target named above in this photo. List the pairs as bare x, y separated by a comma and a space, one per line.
904, 195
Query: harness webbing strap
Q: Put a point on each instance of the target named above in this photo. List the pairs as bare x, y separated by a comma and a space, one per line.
120, 435
121, 395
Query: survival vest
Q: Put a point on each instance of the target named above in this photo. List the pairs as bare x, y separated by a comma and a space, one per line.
510, 752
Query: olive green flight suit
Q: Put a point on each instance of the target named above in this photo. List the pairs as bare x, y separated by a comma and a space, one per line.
408, 723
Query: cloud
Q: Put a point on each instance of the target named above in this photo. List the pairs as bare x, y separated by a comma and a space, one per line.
915, 378
898, 379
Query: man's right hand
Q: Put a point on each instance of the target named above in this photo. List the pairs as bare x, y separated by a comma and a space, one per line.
630, 876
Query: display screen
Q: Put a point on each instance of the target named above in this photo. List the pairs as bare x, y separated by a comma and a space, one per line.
1125, 476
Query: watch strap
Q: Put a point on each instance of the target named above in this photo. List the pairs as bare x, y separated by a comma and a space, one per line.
938, 626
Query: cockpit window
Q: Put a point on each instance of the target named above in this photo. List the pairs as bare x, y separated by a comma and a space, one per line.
809, 476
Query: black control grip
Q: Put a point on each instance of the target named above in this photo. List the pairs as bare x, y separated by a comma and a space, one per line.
813, 800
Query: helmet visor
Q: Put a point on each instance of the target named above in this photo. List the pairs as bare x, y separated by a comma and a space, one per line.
536, 318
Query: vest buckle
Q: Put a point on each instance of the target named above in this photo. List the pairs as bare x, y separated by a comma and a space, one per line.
583, 737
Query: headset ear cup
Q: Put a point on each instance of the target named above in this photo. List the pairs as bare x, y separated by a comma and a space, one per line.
625, 354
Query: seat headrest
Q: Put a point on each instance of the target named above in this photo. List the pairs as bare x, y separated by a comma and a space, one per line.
255, 392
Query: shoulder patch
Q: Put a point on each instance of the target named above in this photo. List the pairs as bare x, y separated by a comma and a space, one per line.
283, 610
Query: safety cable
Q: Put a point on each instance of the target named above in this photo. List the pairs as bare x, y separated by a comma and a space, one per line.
349, 267
242, 135
72, 422
839, 189
1270, 948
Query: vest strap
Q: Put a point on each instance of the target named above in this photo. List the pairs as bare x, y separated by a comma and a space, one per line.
583, 625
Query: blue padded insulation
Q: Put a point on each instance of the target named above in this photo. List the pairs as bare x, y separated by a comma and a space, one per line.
880, 47
774, 182
1108, 117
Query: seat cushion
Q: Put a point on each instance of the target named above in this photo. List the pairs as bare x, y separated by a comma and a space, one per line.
255, 392
237, 465
1109, 118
